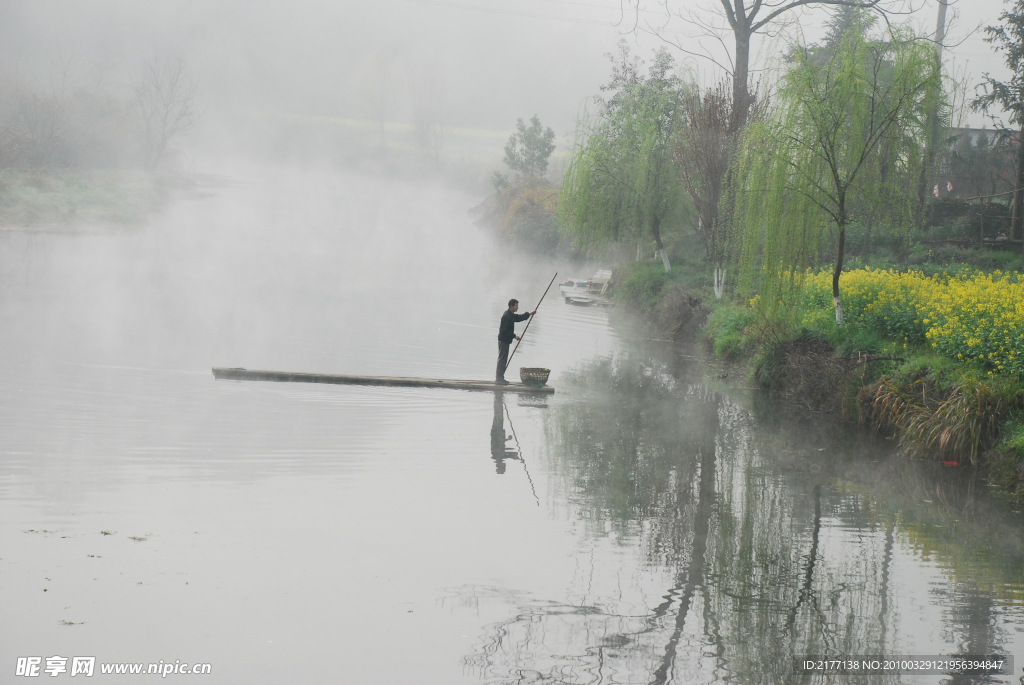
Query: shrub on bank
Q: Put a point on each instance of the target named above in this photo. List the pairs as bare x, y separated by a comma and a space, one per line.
641, 285
942, 412
730, 332
57, 197
524, 214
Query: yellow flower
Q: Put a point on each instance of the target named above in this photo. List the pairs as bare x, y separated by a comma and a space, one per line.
970, 315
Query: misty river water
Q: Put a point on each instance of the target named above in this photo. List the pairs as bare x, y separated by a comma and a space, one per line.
649, 523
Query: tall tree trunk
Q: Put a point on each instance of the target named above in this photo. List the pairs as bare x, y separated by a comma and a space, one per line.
931, 146
741, 79
656, 231
835, 276
1017, 222
840, 250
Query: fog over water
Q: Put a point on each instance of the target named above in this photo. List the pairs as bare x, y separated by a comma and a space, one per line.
642, 521
655, 520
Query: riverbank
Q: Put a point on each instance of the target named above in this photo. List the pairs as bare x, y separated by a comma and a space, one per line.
59, 198
930, 360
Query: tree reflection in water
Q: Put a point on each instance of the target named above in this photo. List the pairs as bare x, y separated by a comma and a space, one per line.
717, 545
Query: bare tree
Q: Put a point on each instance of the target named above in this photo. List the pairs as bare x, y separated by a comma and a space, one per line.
380, 86
744, 19
41, 119
703, 150
34, 123
166, 97
430, 111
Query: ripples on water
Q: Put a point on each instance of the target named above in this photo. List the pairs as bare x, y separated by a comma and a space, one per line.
642, 525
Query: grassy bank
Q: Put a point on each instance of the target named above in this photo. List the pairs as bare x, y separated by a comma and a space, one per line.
934, 357
57, 198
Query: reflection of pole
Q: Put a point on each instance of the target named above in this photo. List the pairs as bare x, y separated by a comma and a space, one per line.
529, 322
519, 449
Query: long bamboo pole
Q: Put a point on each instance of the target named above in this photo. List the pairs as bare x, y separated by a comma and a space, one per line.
528, 323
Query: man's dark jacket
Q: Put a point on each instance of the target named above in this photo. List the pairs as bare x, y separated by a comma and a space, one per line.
507, 331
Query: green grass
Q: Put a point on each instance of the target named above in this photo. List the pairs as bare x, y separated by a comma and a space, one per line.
730, 331
56, 198
640, 285
948, 259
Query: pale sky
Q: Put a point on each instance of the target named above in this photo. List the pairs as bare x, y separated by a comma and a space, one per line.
501, 59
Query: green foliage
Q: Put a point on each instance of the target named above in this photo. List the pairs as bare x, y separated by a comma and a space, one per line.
844, 19
525, 213
849, 131
499, 182
37, 198
1006, 461
621, 184
528, 149
640, 285
848, 341
531, 218
945, 260
730, 331
1007, 95
953, 260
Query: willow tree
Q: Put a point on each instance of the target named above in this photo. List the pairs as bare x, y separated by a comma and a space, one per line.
621, 183
842, 114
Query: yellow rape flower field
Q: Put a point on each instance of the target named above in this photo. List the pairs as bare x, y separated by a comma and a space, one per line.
974, 317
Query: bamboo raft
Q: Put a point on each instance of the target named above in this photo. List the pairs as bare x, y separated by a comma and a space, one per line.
239, 374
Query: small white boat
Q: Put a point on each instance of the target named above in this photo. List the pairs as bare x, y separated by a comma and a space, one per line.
574, 287
578, 291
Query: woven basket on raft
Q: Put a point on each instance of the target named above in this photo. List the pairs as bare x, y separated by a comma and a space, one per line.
536, 377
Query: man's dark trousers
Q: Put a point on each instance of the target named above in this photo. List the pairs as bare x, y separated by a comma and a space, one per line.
499, 373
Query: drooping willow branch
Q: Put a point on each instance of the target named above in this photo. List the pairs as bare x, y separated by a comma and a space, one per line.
847, 136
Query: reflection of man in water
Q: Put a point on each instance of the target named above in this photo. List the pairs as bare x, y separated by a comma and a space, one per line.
500, 451
506, 334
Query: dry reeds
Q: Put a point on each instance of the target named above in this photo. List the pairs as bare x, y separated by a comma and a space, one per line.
959, 422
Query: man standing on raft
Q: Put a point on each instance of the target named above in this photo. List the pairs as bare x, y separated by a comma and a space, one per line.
506, 334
